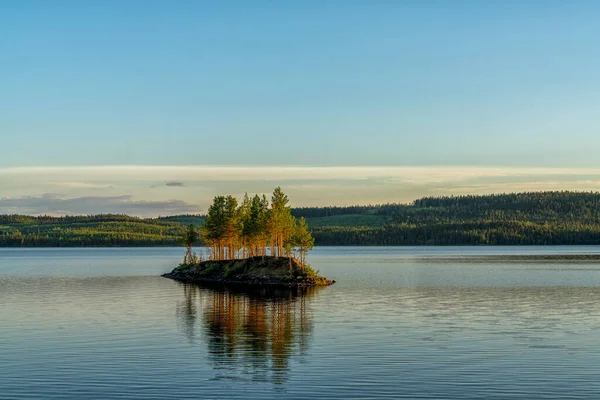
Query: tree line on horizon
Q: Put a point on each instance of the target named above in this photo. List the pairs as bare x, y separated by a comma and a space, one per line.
502, 219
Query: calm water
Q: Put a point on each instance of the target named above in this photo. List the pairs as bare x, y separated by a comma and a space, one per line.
452, 323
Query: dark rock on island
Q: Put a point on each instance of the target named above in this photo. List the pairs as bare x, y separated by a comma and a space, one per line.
267, 270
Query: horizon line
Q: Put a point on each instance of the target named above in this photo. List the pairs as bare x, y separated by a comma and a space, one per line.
409, 203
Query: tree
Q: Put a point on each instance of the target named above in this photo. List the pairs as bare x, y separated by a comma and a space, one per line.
303, 239
255, 226
247, 230
222, 228
244, 211
281, 222
232, 226
189, 238
213, 230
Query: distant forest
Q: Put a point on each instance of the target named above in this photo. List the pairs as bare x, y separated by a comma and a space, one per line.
536, 218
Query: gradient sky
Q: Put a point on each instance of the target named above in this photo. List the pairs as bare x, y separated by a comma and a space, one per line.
441, 85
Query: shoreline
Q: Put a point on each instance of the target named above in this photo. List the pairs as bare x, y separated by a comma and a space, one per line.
253, 271
321, 245
256, 282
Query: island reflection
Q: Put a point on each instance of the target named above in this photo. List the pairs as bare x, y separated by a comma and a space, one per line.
251, 333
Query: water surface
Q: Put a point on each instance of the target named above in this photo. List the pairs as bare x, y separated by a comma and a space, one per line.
450, 322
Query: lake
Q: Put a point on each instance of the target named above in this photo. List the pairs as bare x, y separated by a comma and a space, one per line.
401, 322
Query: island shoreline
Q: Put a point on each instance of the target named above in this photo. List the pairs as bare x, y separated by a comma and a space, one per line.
255, 271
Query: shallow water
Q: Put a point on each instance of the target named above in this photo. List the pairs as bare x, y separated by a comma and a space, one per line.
450, 322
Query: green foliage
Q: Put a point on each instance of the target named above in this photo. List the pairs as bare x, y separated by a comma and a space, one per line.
248, 230
311, 275
301, 239
183, 267
318, 212
235, 269
310, 272
523, 218
190, 237
196, 220
211, 269
222, 226
254, 229
281, 223
353, 220
90, 230
540, 218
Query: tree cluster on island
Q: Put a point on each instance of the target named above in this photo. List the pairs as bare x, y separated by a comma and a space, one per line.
251, 228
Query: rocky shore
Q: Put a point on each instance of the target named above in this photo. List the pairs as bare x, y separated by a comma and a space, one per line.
275, 271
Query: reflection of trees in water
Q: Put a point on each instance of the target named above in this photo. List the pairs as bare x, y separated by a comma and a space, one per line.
250, 332
187, 312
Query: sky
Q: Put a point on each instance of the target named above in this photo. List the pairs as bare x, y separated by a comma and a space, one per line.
154, 107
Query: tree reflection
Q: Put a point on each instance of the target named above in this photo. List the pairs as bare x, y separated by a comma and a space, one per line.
251, 333
187, 312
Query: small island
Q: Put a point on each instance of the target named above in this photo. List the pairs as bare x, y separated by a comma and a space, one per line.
251, 243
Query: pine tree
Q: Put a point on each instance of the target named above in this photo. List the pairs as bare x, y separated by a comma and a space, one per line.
232, 226
190, 237
280, 222
244, 215
254, 227
303, 240
213, 230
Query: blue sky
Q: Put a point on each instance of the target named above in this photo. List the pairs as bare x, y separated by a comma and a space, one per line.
478, 84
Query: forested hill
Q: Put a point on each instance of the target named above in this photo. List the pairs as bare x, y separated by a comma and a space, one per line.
523, 218
536, 218
94, 230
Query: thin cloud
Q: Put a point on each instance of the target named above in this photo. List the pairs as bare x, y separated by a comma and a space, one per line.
160, 190
82, 185
404, 174
51, 204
